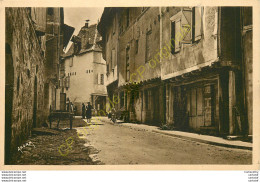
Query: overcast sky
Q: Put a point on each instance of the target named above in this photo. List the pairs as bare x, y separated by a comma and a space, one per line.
76, 17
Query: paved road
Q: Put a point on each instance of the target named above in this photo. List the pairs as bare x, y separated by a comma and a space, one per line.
120, 144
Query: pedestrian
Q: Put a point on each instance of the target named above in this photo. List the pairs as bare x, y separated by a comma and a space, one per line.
88, 112
68, 105
71, 108
83, 110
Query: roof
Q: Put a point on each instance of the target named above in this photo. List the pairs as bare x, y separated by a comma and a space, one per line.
89, 38
68, 31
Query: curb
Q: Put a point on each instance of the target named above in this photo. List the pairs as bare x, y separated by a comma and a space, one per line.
205, 141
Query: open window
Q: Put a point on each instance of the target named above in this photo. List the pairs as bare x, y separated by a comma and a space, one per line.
186, 27
148, 45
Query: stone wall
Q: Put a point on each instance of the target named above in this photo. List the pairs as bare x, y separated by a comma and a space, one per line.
193, 55
25, 63
135, 37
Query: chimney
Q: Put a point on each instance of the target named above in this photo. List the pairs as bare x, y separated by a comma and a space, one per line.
86, 24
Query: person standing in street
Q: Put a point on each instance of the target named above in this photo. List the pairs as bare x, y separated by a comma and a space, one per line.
83, 110
88, 112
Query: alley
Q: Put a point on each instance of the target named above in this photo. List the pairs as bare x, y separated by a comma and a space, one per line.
123, 144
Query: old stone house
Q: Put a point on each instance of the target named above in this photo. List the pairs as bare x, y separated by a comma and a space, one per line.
204, 75
126, 32
83, 71
31, 70
186, 67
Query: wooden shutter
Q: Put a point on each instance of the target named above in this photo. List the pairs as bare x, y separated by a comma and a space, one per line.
176, 34
71, 62
98, 79
67, 82
198, 23
186, 24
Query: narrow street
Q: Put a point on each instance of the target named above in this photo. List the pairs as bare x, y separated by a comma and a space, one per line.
123, 144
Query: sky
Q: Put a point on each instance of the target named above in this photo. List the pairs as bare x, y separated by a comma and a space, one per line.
76, 17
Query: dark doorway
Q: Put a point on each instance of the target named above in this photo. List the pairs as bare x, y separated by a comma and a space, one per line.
9, 89
35, 103
156, 106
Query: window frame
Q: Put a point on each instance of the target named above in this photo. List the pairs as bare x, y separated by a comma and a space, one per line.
147, 57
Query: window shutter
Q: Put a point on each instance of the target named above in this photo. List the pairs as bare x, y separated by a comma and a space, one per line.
71, 62
67, 82
198, 23
98, 79
186, 24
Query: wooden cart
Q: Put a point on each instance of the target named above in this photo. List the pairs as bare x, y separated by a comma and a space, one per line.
61, 115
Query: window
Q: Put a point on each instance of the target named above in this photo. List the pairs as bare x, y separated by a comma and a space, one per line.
86, 71
127, 63
136, 46
172, 37
67, 82
50, 11
71, 62
148, 45
186, 27
102, 79
107, 68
